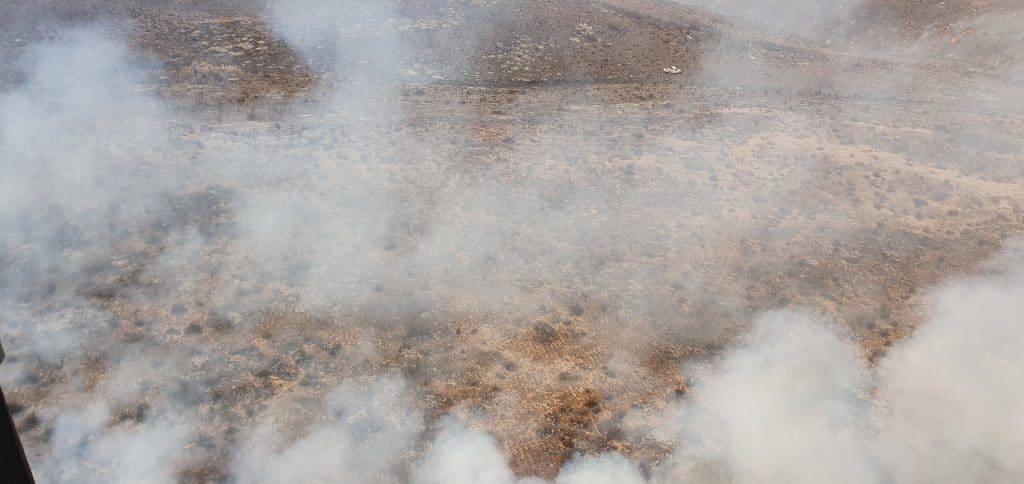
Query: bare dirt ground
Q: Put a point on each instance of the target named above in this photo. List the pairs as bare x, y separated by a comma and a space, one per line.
844, 178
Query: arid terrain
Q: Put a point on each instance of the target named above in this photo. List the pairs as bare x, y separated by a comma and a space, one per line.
541, 218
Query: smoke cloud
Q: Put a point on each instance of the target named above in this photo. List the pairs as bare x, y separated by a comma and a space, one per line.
795, 402
369, 431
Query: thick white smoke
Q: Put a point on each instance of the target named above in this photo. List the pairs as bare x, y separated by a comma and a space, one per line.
796, 403
789, 405
366, 432
460, 455
110, 434
949, 392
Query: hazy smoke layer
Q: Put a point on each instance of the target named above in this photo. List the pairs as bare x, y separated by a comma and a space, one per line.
211, 296
805, 17
794, 402
353, 36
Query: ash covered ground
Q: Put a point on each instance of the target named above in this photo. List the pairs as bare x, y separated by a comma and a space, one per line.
513, 241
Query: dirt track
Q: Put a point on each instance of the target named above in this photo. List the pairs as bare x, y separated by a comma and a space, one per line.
773, 171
